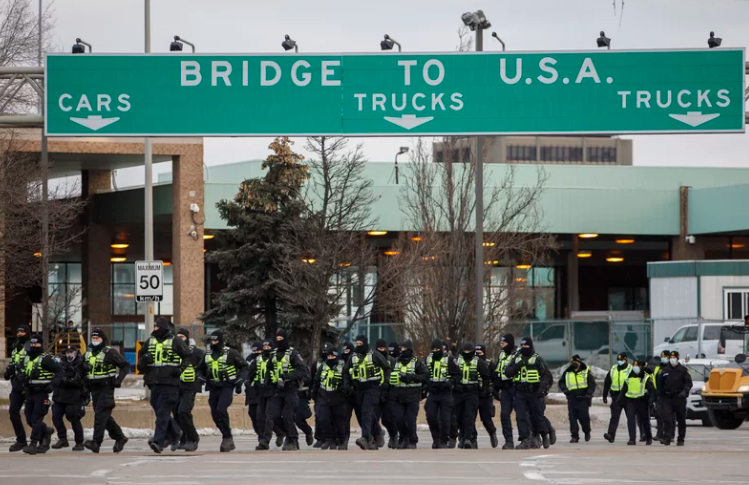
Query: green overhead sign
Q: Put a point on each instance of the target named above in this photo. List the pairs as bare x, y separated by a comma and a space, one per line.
607, 92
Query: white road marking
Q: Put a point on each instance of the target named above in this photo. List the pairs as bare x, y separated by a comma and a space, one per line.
100, 473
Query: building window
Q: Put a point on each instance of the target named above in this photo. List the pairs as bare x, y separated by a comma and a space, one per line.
521, 153
123, 292
735, 303
65, 294
561, 154
602, 154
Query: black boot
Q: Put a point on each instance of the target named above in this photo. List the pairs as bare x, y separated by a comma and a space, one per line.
343, 445
157, 448
380, 440
291, 445
402, 443
494, 440
227, 444
119, 445
393, 442
545, 440
435, 445
552, 435
78, 447
310, 439
508, 446
326, 445
17, 446
524, 445
191, 446
91, 445
31, 448
280, 439
318, 444
46, 440
574, 440
262, 445
451, 444
61, 443
608, 437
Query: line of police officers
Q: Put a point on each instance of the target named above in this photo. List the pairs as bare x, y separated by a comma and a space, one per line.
384, 384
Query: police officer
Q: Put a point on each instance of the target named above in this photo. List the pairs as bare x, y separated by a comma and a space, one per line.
505, 389
387, 403
189, 386
443, 372
473, 374
224, 370
350, 395
252, 399
105, 369
258, 373
578, 384
365, 371
39, 369
318, 435
286, 371
332, 417
13, 374
613, 384
303, 411
407, 378
636, 392
486, 400
657, 408
162, 360
532, 382
69, 398
676, 382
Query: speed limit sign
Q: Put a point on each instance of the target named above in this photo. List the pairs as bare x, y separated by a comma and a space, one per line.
149, 281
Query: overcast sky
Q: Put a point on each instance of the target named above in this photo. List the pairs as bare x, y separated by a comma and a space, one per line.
237, 26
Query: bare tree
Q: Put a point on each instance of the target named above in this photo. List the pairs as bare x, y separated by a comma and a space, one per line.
21, 213
19, 46
327, 281
439, 204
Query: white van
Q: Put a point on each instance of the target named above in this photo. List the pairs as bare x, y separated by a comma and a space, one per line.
685, 341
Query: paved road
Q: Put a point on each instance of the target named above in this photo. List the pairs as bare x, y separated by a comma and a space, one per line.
710, 457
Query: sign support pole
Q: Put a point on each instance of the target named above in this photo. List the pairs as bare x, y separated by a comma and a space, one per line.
479, 176
148, 165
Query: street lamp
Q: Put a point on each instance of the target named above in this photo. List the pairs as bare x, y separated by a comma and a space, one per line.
289, 44
176, 45
478, 22
494, 34
713, 41
604, 41
400, 152
387, 43
78, 47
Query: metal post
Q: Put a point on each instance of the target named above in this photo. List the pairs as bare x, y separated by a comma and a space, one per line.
45, 197
479, 220
148, 151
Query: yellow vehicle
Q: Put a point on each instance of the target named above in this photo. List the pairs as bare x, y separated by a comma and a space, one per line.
726, 393
63, 339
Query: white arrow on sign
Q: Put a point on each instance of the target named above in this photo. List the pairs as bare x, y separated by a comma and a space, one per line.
694, 118
94, 122
408, 121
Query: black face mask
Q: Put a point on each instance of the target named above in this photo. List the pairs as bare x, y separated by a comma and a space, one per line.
406, 355
331, 362
346, 355
362, 349
160, 332
35, 351
22, 339
216, 347
437, 354
526, 350
266, 352
467, 356
282, 345
576, 366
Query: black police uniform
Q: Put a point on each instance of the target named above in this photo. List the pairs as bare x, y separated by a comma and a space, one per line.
578, 384
162, 359
676, 382
251, 399
38, 372
387, 404
105, 369
69, 399
286, 371
532, 382
224, 371
474, 374
486, 402
612, 384
303, 410
318, 434
189, 386
348, 392
443, 372
17, 396
333, 418
365, 372
259, 367
505, 391
636, 396
407, 378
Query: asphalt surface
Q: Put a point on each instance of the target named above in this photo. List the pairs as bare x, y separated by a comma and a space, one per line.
710, 456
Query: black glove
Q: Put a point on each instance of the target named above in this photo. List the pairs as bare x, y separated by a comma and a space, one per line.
407, 378
683, 394
22, 377
147, 358
117, 384
238, 387
605, 399
280, 384
540, 394
87, 368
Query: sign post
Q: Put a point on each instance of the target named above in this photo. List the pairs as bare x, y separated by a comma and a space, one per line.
149, 281
477, 93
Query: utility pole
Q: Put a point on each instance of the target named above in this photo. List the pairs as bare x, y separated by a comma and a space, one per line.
148, 189
479, 176
44, 162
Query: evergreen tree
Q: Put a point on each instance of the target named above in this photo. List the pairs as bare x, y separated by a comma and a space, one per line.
253, 248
